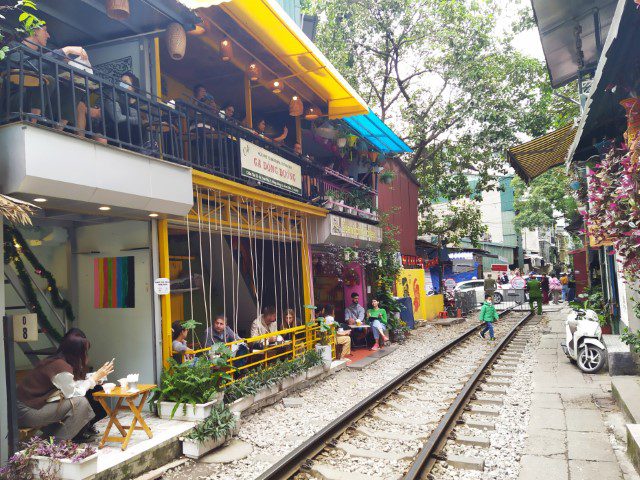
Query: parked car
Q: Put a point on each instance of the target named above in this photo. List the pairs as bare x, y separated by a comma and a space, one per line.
478, 287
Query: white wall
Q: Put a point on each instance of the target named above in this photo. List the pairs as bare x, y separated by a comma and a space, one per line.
627, 299
124, 333
530, 241
4, 414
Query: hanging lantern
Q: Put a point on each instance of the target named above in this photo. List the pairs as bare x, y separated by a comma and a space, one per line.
226, 50
312, 113
254, 71
373, 156
176, 39
296, 107
117, 9
276, 86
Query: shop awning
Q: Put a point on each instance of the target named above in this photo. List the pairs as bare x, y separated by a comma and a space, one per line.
561, 24
533, 158
377, 133
269, 24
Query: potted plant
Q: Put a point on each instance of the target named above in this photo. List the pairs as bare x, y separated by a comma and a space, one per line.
218, 428
313, 364
45, 458
387, 176
240, 395
188, 391
267, 383
323, 347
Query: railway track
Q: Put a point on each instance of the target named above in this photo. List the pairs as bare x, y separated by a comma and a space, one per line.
400, 430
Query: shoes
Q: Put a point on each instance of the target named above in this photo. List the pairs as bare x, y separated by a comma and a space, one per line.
492, 338
375, 347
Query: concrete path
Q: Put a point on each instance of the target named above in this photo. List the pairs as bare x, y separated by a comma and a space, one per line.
567, 438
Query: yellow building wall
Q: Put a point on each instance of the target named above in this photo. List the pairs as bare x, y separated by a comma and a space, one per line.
410, 283
434, 305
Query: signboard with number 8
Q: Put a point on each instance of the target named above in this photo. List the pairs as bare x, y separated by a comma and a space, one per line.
25, 328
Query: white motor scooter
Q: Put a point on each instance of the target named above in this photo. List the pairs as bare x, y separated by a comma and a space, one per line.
584, 340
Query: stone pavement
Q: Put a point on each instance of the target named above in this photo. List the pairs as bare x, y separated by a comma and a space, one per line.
567, 437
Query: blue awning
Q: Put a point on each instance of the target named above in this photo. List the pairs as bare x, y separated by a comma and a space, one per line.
372, 129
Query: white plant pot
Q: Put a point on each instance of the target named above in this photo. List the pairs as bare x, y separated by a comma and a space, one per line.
291, 381
325, 353
195, 448
367, 210
315, 371
328, 204
339, 207
266, 392
241, 404
65, 469
188, 412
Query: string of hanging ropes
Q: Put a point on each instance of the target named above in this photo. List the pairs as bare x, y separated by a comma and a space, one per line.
253, 224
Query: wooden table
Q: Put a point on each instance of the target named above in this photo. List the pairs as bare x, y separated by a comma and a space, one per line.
125, 430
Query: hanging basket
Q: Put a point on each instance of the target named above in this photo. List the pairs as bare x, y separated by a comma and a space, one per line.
176, 39
117, 9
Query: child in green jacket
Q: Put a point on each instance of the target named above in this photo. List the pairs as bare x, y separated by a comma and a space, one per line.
488, 315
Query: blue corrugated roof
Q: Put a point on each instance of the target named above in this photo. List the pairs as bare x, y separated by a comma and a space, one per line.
377, 133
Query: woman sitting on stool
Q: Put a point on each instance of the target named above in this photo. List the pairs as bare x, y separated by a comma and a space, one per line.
52, 396
378, 319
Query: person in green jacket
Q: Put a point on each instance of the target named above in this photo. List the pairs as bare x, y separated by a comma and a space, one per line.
488, 315
378, 319
534, 287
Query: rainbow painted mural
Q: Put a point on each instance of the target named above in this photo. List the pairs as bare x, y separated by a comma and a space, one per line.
114, 282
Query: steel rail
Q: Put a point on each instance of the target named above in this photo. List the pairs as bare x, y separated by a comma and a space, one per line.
427, 457
294, 460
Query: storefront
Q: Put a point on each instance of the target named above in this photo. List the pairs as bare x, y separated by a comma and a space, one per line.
239, 250
341, 250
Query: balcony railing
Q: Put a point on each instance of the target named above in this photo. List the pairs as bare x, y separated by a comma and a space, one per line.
40, 86
44, 87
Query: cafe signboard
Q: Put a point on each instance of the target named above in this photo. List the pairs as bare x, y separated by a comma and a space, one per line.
344, 231
267, 167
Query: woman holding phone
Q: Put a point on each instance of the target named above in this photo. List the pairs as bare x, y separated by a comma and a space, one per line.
378, 319
52, 396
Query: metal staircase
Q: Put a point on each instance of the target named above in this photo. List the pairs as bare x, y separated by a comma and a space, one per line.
47, 344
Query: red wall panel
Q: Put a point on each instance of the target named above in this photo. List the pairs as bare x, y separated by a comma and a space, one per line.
401, 199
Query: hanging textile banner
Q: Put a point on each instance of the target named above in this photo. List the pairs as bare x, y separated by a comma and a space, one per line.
267, 167
113, 282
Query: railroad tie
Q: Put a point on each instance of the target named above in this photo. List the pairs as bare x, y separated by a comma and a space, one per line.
482, 410
369, 432
329, 472
489, 400
398, 420
376, 454
477, 424
465, 463
476, 441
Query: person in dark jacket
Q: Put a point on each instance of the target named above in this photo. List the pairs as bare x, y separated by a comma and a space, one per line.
488, 315
544, 286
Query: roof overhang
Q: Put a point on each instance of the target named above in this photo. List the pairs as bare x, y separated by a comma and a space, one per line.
602, 115
560, 23
535, 157
377, 133
268, 23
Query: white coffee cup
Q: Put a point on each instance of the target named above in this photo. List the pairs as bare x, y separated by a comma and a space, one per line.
108, 387
124, 383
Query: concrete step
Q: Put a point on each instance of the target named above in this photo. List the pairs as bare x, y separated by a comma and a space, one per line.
465, 463
626, 391
633, 444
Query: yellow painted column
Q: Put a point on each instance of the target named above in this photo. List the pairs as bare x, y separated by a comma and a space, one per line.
248, 105
165, 300
307, 281
157, 65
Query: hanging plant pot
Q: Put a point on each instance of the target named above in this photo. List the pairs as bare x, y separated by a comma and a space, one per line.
632, 107
342, 142
176, 39
117, 9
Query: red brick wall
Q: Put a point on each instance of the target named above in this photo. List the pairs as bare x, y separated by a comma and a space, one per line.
402, 194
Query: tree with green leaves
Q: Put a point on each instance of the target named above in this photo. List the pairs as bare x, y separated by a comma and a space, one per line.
26, 19
541, 203
443, 74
